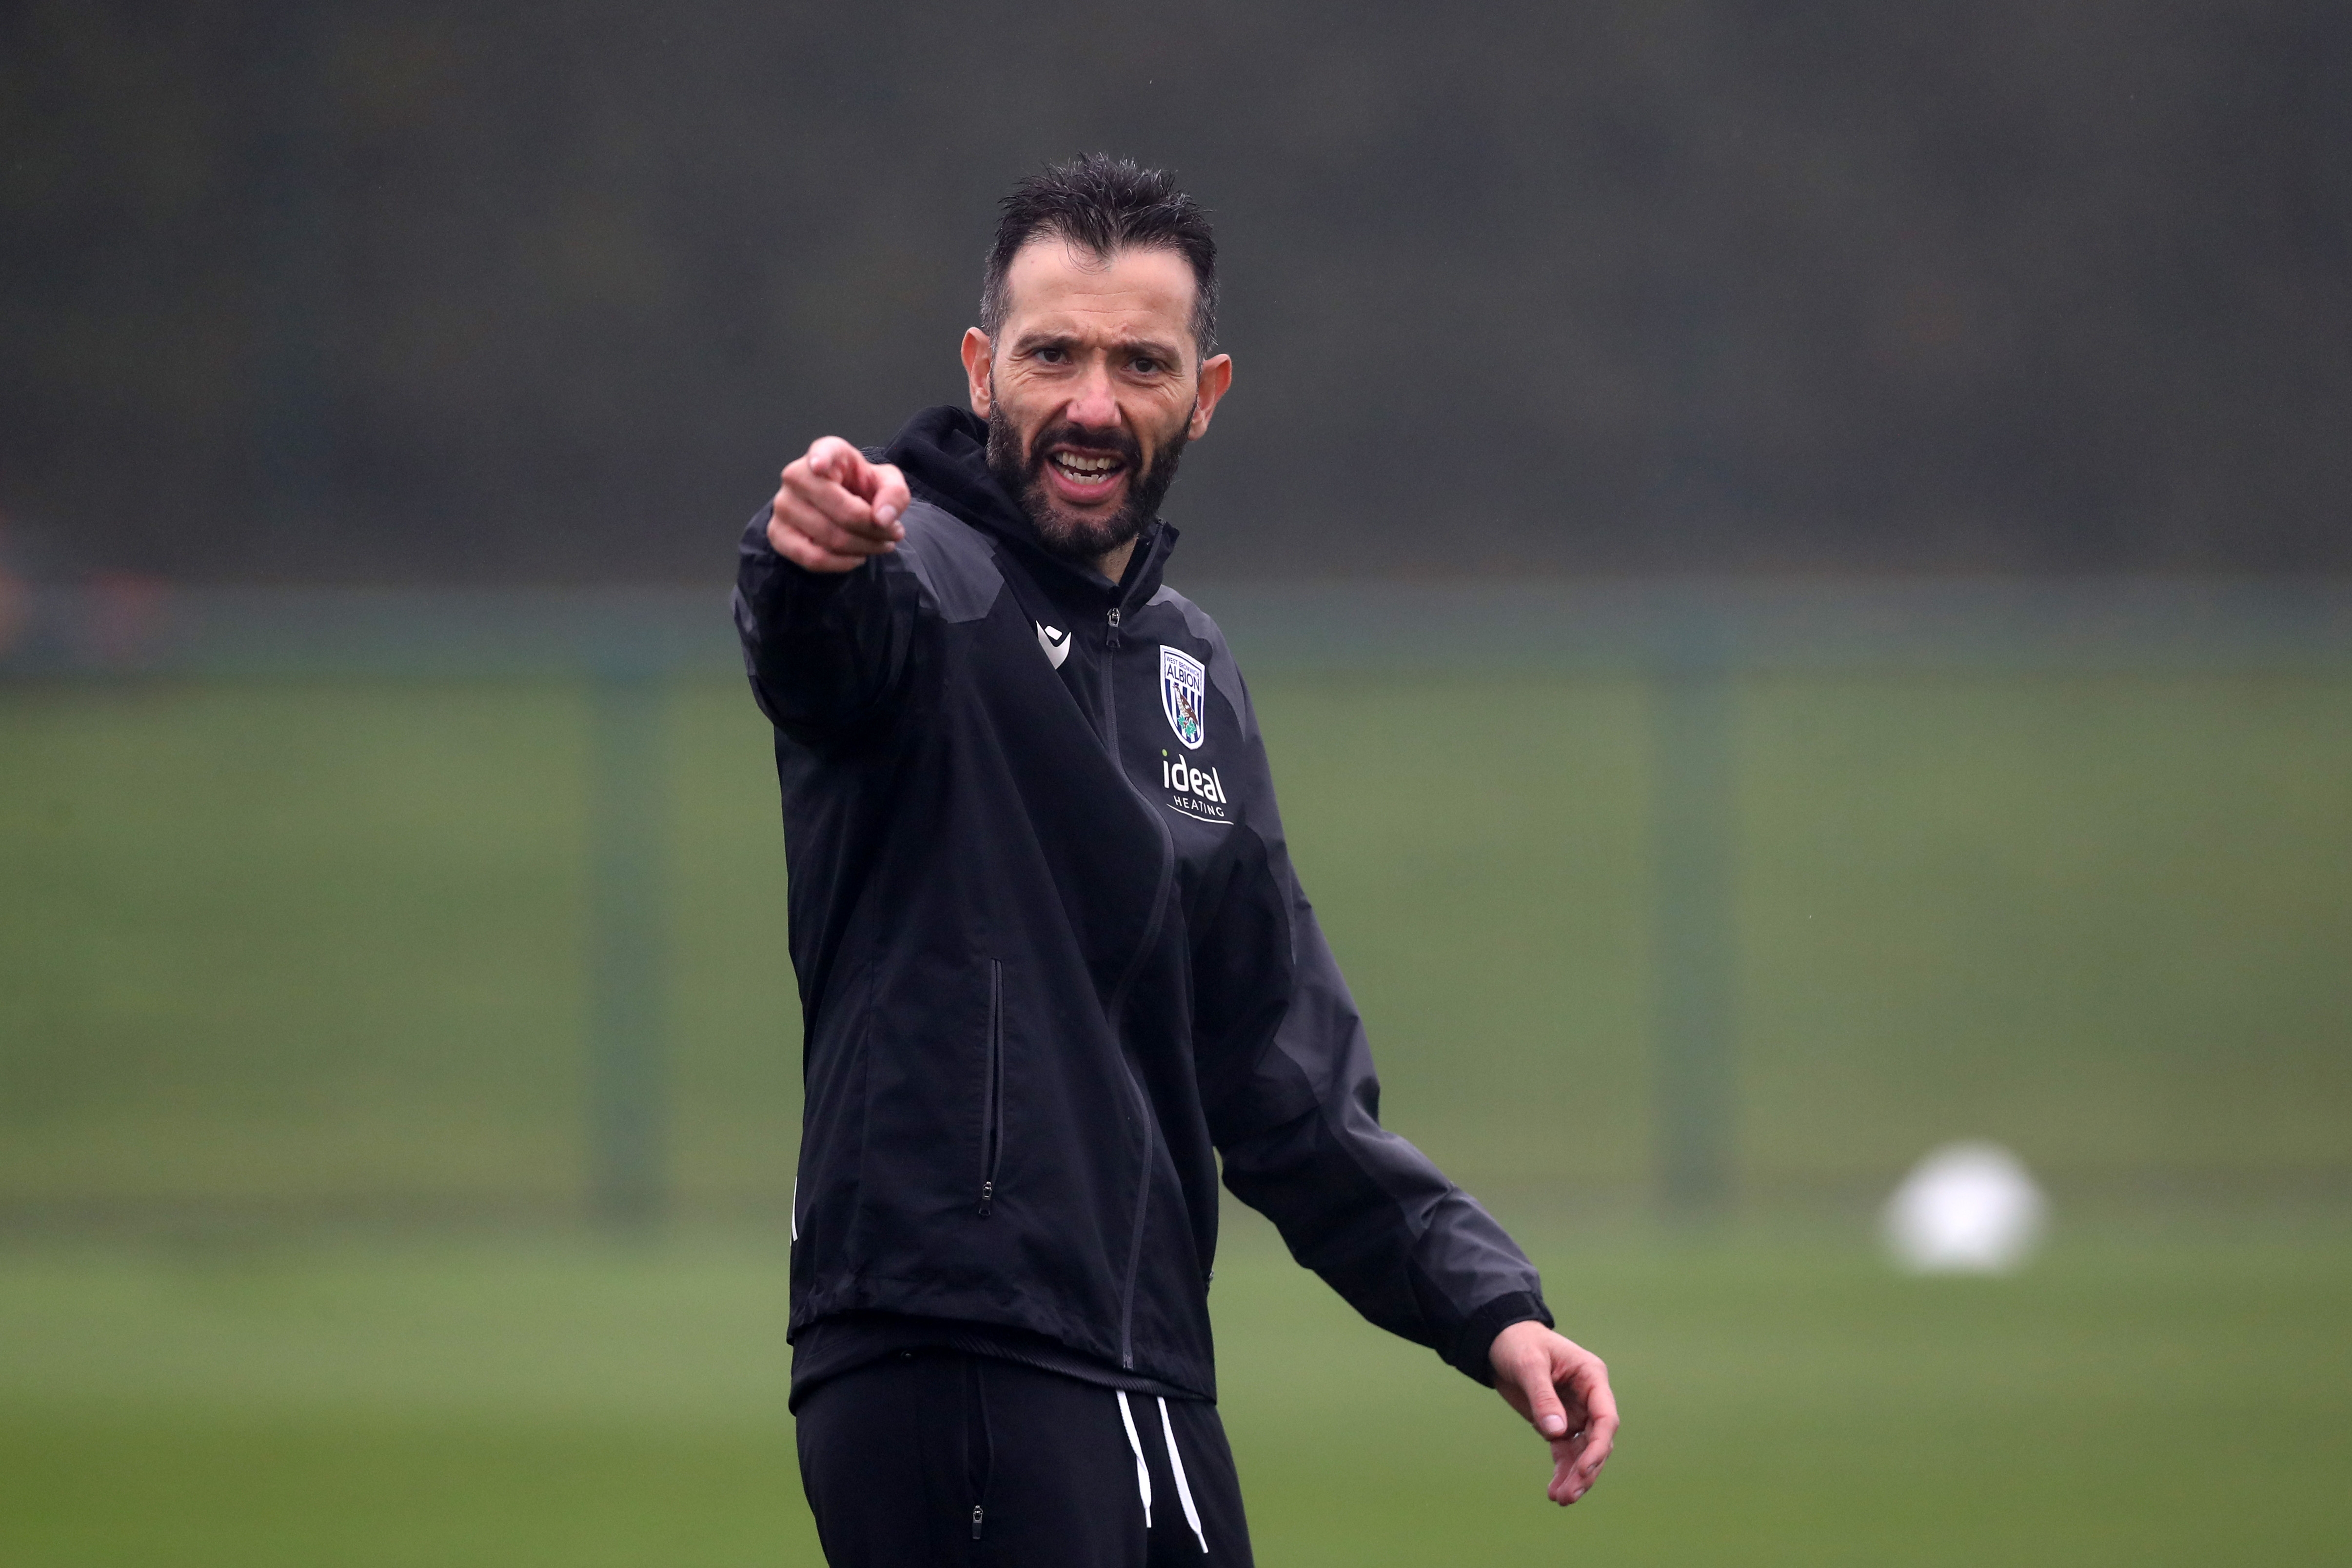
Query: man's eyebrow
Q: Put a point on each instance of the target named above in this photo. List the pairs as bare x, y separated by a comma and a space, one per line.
1042, 337
1148, 346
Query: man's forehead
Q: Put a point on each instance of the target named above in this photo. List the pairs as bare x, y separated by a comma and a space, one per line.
1141, 287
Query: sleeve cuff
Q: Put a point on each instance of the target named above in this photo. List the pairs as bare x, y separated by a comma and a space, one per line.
1469, 1352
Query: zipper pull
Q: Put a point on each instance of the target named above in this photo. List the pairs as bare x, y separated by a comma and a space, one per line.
987, 1196
975, 1521
1114, 629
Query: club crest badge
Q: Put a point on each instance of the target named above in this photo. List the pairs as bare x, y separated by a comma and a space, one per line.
1185, 694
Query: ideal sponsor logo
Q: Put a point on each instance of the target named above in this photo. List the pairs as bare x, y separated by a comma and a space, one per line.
1199, 790
1184, 696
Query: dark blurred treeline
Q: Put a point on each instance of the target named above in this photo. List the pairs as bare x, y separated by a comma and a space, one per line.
421, 291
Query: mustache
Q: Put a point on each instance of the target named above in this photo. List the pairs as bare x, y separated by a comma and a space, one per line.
1110, 439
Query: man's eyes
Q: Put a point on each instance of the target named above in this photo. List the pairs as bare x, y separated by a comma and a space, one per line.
1138, 364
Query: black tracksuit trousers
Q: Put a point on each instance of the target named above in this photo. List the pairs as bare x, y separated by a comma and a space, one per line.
936, 1457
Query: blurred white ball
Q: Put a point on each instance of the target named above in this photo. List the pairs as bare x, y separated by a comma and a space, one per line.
1967, 1208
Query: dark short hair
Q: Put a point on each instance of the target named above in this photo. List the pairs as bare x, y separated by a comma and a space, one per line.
1105, 204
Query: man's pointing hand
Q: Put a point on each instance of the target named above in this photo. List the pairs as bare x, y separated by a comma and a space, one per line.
836, 508
1563, 1391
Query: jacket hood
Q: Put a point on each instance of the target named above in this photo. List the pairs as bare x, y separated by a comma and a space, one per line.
943, 452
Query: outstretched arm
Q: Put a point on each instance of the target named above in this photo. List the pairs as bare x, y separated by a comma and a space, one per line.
822, 616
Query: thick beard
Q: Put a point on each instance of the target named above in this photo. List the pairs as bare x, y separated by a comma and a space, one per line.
1081, 540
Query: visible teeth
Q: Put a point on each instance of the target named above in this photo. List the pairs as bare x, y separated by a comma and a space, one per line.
1077, 465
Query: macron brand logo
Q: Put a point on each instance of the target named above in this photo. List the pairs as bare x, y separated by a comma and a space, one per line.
1057, 644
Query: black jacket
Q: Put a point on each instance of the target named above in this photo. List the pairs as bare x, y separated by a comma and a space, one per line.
1054, 962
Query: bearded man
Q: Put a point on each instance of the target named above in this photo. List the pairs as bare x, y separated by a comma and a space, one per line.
1054, 963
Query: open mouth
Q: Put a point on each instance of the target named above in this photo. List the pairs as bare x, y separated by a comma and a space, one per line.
1085, 474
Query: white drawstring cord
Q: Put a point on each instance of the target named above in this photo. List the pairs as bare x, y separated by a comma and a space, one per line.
1142, 1471
1176, 1466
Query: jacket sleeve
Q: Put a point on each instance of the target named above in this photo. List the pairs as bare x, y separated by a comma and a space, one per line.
824, 649
1293, 1104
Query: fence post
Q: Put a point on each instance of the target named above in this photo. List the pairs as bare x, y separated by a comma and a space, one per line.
1693, 834
289, 57
626, 931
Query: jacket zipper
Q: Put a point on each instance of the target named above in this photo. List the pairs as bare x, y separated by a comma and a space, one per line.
992, 1096
1118, 1005
1142, 1212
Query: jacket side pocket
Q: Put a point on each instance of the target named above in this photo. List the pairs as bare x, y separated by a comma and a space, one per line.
992, 1090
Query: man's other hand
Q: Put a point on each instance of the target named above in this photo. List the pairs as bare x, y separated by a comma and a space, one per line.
1563, 1391
836, 508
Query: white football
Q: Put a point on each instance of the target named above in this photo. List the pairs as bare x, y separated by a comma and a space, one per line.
1967, 1208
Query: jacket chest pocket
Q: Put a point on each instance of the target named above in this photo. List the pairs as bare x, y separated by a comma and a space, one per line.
992, 1089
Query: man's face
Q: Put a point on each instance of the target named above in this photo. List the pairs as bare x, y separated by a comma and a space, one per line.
1091, 389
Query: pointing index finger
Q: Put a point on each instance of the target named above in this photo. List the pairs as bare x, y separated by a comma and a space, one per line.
831, 458
880, 486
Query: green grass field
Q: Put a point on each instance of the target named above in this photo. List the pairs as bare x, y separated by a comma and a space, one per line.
2145, 1396
292, 1129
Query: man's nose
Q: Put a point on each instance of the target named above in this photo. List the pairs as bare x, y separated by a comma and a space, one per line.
1092, 402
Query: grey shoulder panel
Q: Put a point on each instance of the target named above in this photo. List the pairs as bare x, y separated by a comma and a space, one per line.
952, 561
1223, 672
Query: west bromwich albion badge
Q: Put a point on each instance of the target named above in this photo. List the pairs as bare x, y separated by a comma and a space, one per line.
1184, 695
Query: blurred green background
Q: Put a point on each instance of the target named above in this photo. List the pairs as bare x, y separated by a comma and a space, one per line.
294, 1147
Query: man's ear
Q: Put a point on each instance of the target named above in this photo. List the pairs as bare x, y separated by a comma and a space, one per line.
976, 352
1216, 375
